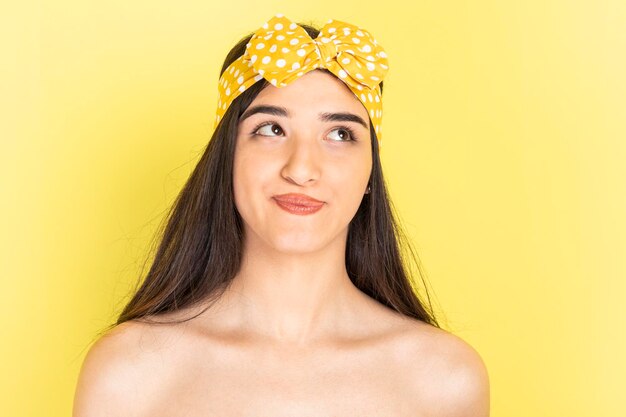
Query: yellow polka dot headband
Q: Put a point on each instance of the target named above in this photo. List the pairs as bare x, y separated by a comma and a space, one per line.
282, 51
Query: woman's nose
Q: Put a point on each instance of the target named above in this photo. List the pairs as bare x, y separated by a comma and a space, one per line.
302, 161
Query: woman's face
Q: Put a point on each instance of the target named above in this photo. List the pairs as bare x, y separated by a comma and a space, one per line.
302, 148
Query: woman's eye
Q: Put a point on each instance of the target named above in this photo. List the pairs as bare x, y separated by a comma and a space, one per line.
268, 129
345, 134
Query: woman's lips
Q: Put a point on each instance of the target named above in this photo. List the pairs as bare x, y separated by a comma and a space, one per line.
298, 204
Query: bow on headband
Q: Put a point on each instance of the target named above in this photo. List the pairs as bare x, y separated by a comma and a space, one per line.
282, 51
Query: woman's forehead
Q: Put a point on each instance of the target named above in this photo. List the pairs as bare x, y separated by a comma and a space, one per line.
314, 90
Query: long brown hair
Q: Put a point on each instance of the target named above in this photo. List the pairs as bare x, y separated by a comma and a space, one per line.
200, 247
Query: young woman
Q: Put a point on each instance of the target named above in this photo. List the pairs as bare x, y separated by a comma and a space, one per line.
278, 287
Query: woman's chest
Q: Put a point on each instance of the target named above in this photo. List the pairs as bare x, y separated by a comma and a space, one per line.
274, 386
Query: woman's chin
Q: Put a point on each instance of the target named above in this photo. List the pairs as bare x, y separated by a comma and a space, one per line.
298, 244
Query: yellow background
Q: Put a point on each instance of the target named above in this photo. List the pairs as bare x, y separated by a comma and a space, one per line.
505, 155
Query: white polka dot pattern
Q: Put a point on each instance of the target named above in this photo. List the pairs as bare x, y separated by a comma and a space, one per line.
282, 51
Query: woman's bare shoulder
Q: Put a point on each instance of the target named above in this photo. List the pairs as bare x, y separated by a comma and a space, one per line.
112, 378
445, 372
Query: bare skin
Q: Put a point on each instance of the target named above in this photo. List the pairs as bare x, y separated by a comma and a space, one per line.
387, 365
292, 336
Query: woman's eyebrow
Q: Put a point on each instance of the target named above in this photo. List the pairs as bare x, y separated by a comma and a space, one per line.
281, 111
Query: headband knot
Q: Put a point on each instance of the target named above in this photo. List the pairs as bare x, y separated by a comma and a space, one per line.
326, 49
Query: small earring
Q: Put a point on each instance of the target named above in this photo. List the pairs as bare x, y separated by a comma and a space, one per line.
368, 190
